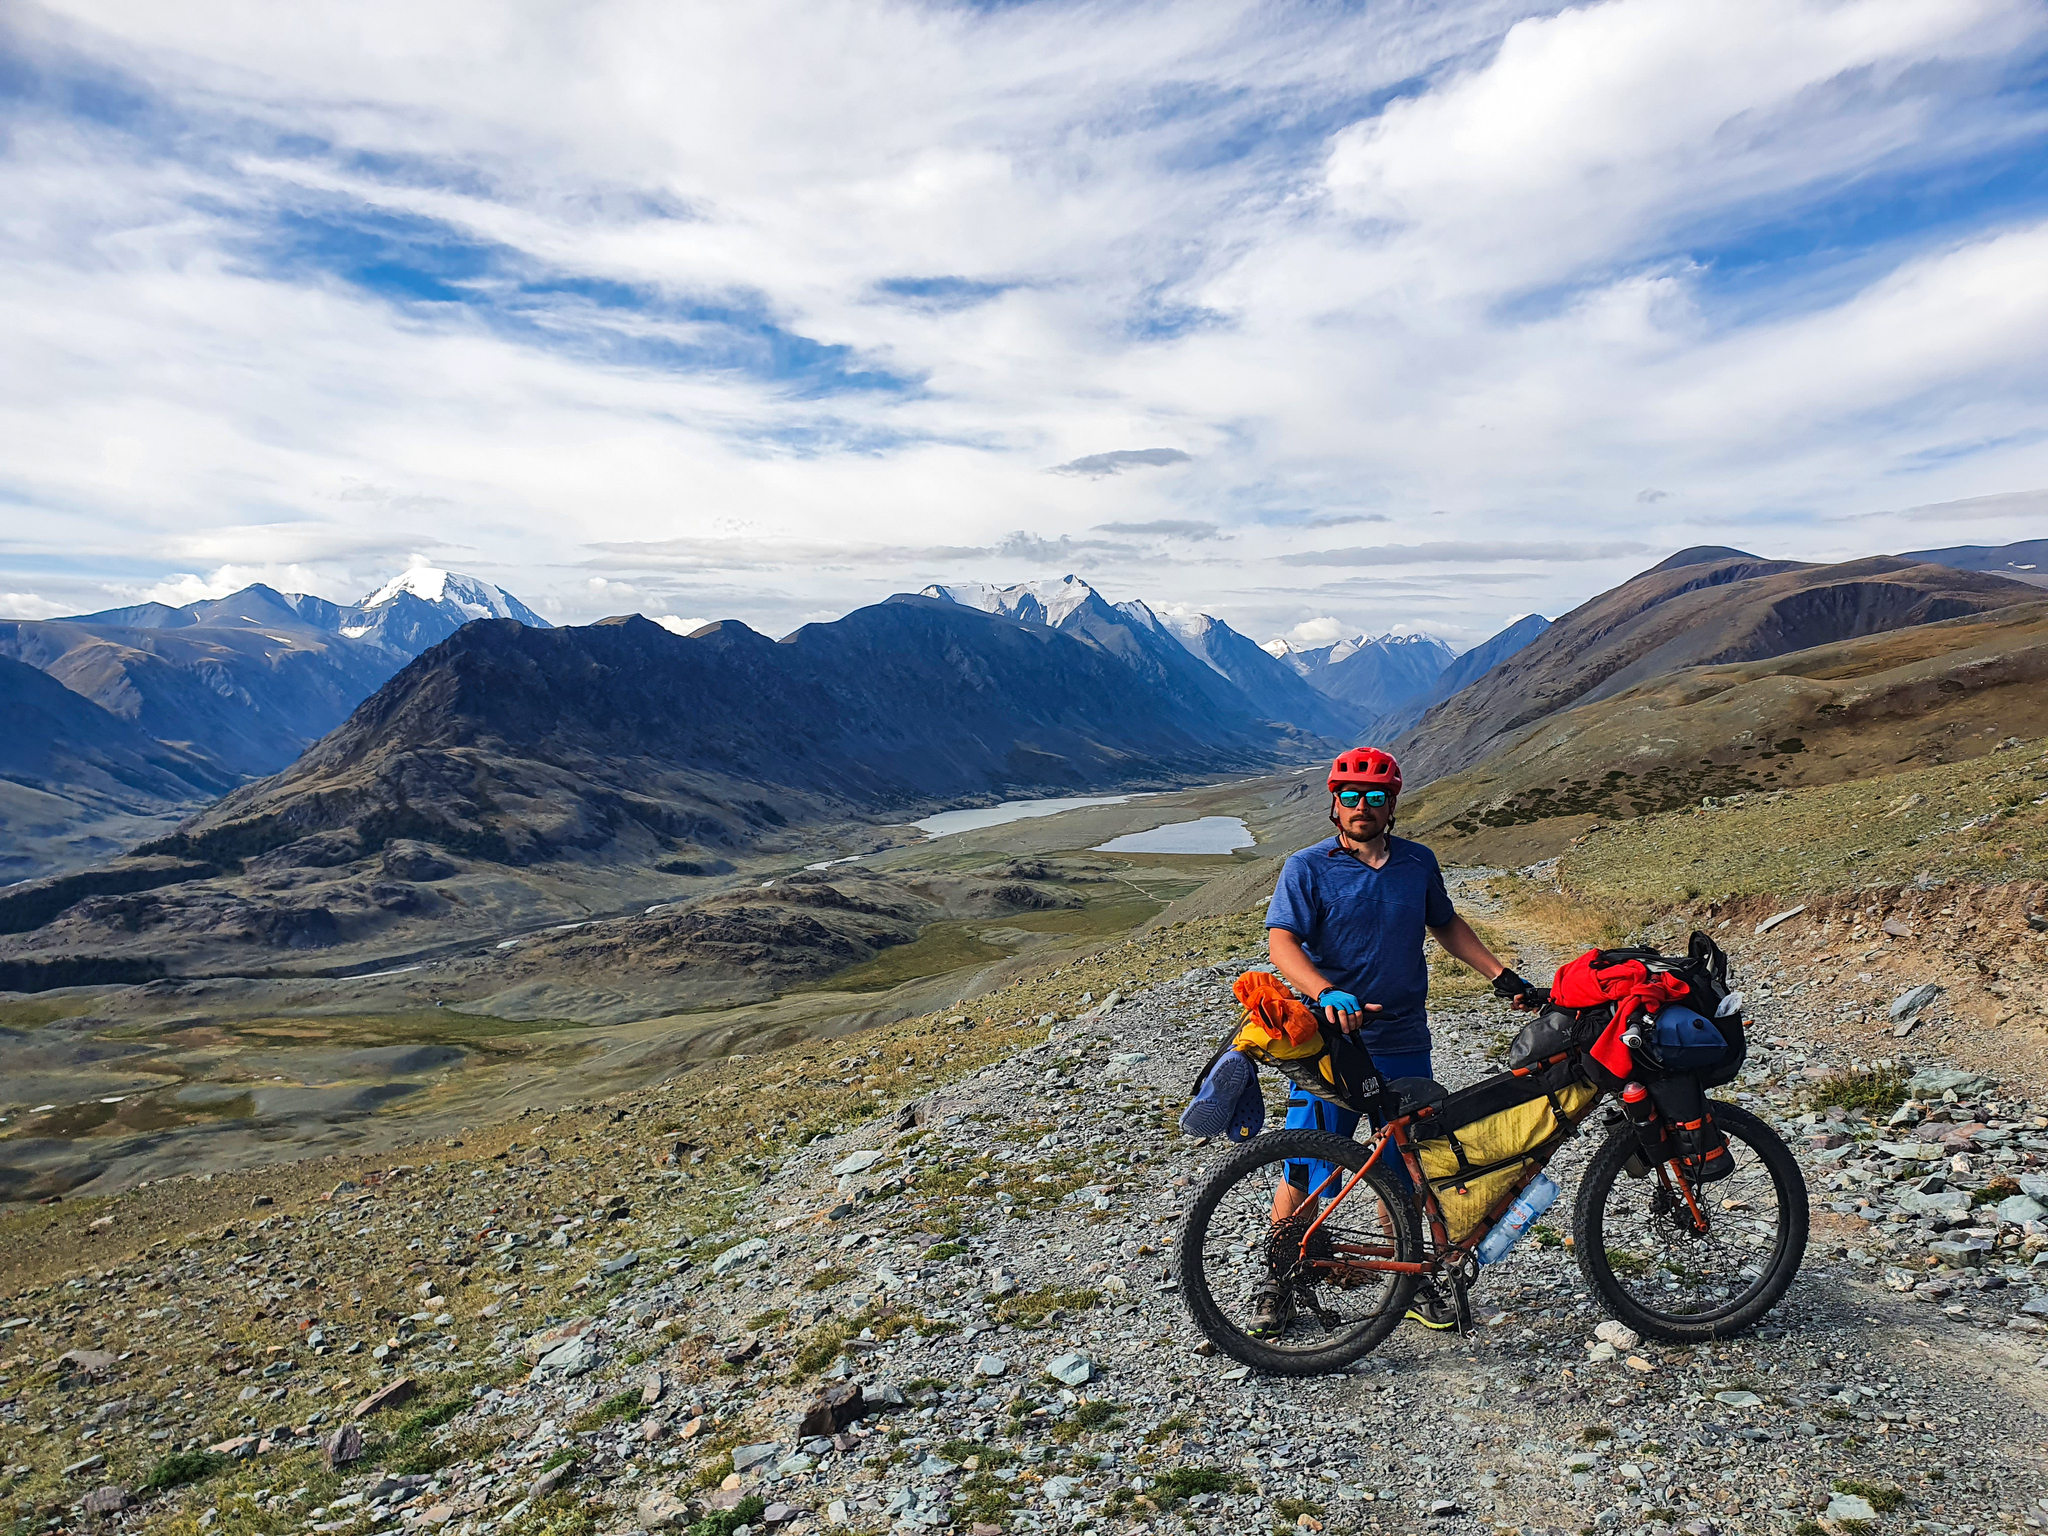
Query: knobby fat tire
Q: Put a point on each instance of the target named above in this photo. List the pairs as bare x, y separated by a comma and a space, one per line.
1260, 1159
1588, 1230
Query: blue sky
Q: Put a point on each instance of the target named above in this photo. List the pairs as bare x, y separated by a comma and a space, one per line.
1351, 318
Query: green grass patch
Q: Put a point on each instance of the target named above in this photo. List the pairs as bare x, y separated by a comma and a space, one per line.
747, 1513
822, 1345
1879, 1092
1183, 1483
1031, 1309
182, 1467
1288, 1512
825, 1279
1622, 1262
939, 1252
937, 949
1881, 1496
1093, 1414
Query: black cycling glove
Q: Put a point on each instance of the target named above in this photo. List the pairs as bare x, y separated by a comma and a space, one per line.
1516, 988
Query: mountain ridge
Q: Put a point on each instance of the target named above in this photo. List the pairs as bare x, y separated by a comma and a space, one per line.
1728, 607
1173, 651
518, 744
241, 683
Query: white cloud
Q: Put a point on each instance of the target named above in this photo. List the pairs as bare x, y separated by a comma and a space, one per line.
676, 626
30, 605
1312, 633
1563, 265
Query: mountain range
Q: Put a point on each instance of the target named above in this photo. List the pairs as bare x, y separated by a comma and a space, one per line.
621, 745
1702, 606
524, 745
1192, 655
1373, 674
210, 693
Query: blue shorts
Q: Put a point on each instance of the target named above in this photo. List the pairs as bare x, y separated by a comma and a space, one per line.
1307, 1112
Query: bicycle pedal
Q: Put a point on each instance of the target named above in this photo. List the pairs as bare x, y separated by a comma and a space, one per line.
1461, 1304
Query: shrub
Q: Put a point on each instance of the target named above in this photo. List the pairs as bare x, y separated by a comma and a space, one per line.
747, 1513
1881, 1497
182, 1467
620, 1405
1185, 1482
1880, 1092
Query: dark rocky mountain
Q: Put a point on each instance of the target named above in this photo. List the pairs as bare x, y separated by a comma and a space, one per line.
76, 782
1461, 674
2025, 561
1373, 674
1200, 662
623, 741
1707, 605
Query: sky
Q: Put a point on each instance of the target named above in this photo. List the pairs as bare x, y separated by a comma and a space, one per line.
1323, 318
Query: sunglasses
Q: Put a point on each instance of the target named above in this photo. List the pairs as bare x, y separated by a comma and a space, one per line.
1351, 799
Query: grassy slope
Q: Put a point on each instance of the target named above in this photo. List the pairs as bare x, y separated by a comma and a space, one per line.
1924, 695
1986, 819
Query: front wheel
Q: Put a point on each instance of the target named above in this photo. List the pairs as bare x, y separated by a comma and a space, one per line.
1278, 1296
1639, 1247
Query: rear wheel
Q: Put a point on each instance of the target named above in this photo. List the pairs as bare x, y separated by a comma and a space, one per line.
1639, 1246
1233, 1258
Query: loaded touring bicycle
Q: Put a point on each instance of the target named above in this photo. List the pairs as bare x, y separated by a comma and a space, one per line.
1691, 1214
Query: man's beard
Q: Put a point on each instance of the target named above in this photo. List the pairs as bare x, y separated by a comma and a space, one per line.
1342, 831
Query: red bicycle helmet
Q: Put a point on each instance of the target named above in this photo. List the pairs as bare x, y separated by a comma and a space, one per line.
1368, 767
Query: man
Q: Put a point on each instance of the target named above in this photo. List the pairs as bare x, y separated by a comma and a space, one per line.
1345, 929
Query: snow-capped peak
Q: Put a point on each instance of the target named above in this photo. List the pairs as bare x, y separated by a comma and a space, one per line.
1029, 602
425, 584
473, 597
1139, 610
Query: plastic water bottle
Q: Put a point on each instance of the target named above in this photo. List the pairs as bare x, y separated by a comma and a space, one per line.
1520, 1217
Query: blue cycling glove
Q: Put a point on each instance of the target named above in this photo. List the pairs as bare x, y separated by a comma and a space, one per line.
1343, 1002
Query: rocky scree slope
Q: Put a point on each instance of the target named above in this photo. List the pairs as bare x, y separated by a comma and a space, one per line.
1702, 607
653, 1312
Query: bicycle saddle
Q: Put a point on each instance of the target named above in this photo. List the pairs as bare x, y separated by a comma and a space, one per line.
1411, 1094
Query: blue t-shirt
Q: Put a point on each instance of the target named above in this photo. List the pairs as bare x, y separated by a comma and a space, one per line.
1363, 929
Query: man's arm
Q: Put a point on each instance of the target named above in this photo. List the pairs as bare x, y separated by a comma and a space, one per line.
1293, 963
1458, 939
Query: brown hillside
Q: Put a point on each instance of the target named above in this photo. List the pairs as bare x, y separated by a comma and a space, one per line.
1700, 608
1875, 705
